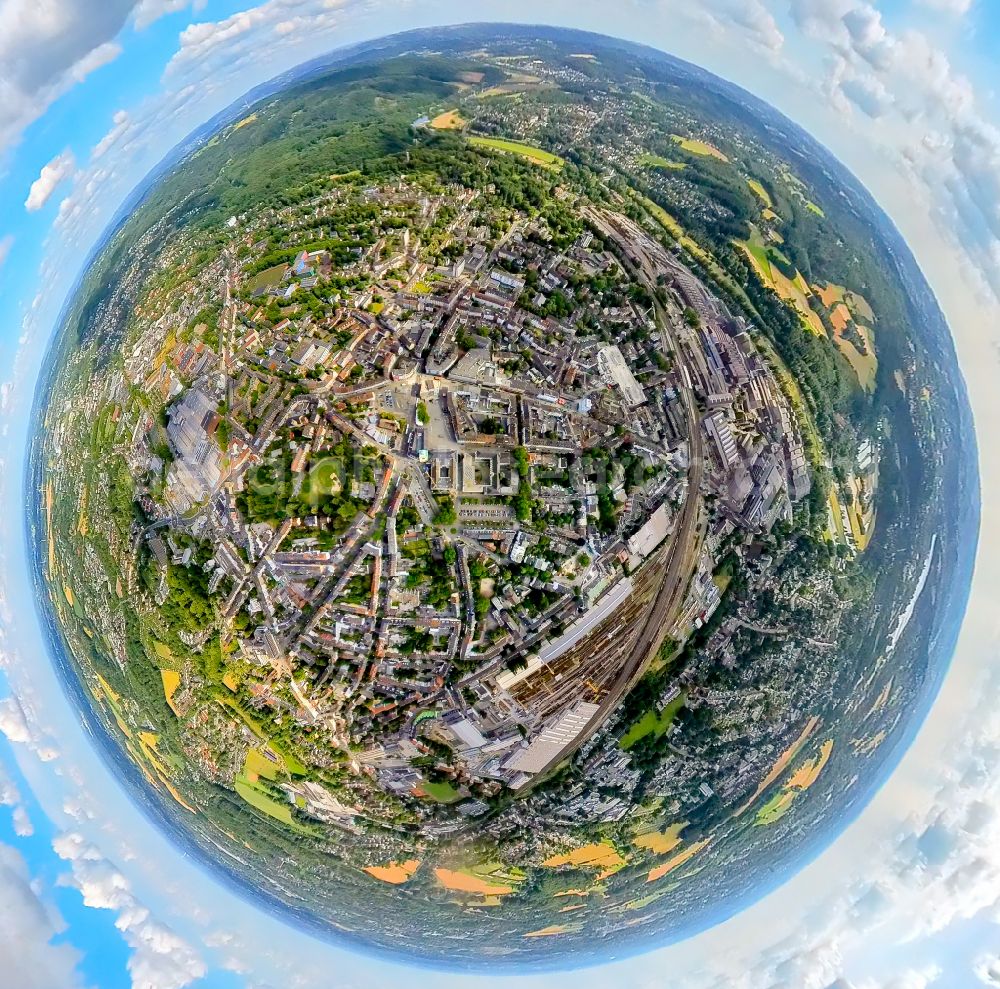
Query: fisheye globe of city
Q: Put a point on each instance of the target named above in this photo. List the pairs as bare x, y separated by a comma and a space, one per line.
499, 495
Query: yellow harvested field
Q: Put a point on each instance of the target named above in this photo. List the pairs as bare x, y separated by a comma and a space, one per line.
797, 292
450, 120
172, 790
230, 681
68, 592
865, 746
862, 523
770, 215
830, 295
860, 307
171, 684
245, 121
661, 842
81, 524
837, 533
672, 864
840, 317
782, 763
882, 699
48, 528
396, 873
107, 688
697, 147
760, 192
551, 931
603, 856
809, 771
149, 739
865, 365
463, 882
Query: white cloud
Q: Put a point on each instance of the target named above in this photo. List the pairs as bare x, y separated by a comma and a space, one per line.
149, 11
6, 243
928, 119
23, 827
28, 959
280, 24
121, 124
160, 959
214, 63
957, 7
987, 970
15, 724
50, 178
747, 21
10, 796
48, 47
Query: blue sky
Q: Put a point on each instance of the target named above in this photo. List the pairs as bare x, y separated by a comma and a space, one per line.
93, 93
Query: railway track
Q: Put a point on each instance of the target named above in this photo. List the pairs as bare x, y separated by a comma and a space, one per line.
684, 546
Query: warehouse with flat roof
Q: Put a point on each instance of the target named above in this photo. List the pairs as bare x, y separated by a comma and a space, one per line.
553, 739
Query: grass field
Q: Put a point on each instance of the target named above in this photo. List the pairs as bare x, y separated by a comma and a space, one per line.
766, 258
257, 764
267, 279
261, 801
775, 809
653, 723
813, 208
162, 650
544, 158
696, 147
658, 161
443, 793
324, 479
292, 763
